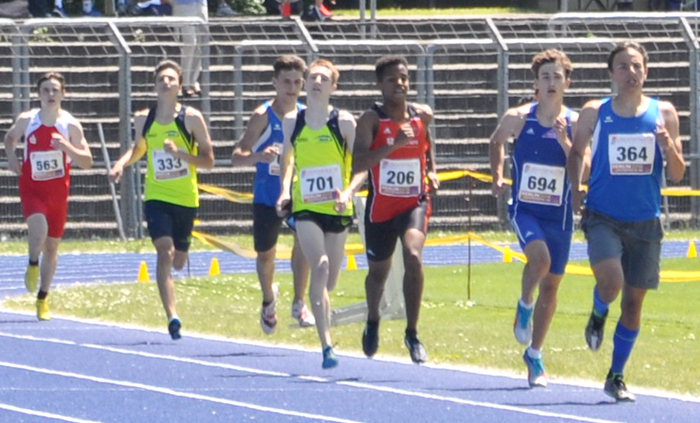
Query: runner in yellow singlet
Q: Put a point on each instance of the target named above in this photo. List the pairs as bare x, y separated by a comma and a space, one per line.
176, 142
316, 165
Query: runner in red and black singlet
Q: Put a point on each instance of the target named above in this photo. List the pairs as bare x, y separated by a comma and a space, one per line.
394, 144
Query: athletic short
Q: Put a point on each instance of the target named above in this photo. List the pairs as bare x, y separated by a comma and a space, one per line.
171, 220
266, 227
381, 237
529, 228
636, 244
53, 207
327, 222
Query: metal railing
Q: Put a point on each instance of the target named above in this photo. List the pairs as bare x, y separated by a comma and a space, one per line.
232, 55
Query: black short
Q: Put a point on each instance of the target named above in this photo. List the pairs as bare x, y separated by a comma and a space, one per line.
171, 220
327, 222
266, 227
381, 237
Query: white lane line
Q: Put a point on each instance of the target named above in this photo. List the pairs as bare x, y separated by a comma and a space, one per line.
476, 403
44, 414
359, 385
167, 391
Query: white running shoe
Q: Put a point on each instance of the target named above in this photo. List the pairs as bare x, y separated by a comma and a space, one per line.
302, 313
268, 318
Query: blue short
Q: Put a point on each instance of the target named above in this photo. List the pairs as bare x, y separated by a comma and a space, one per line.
170, 220
529, 228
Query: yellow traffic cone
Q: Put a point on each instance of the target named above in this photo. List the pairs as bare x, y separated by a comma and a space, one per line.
507, 256
214, 268
352, 264
143, 273
692, 252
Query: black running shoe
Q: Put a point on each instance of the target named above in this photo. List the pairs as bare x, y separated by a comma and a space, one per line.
370, 339
594, 331
418, 353
616, 388
174, 329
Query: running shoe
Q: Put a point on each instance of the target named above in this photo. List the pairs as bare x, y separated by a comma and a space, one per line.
92, 14
224, 10
314, 14
594, 331
522, 327
31, 277
59, 12
615, 388
302, 314
330, 360
324, 11
268, 317
42, 309
418, 353
535, 371
174, 328
370, 339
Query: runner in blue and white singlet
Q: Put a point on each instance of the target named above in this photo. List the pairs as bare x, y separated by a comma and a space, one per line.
630, 136
261, 146
540, 208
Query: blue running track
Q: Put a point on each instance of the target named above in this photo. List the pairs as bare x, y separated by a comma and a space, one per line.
69, 370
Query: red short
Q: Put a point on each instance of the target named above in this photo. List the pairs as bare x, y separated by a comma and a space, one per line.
54, 206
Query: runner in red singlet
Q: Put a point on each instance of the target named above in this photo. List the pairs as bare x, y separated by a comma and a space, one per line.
53, 140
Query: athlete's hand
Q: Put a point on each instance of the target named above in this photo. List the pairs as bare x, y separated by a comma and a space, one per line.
115, 174
341, 201
170, 147
13, 164
269, 154
577, 197
559, 128
404, 135
281, 205
433, 181
663, 138
498, 187
59, 142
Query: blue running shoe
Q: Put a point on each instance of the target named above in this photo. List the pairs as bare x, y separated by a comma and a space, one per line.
174, 329
535, 371
522, 327
330, 360
92, 14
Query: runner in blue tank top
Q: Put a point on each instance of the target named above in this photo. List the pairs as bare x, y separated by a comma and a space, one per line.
540, 212
631, 135
261, 146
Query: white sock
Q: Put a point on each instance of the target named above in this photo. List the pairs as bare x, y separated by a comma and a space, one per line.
87, 6
58, 4
533, 353
527, 306
173, 318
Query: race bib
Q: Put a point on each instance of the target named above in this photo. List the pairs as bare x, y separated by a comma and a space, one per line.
274, 166
631, 154
167, 167
318, 184
541, 184
47, 165
399, 178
